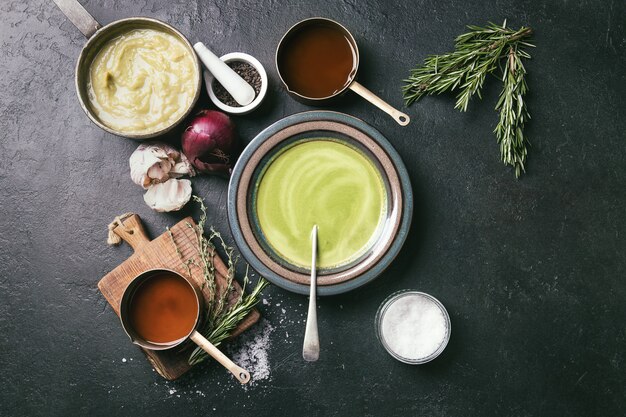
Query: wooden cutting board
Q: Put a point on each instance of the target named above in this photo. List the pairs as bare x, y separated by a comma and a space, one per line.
161, 253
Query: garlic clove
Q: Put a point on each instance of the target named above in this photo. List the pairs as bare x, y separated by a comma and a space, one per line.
164, 151
153, 163
170, 195
160, 171
182, 167
140, 161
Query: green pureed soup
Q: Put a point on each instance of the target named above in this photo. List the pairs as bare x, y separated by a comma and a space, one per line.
323, 182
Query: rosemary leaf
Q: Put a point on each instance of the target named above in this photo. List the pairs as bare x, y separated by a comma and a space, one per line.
513, 113
476, 54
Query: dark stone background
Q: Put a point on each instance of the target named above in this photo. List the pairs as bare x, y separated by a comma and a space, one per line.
531, 270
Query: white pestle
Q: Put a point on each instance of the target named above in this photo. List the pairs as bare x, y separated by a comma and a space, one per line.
241, 91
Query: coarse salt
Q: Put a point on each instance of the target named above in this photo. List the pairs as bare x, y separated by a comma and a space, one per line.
414, 326
251, 351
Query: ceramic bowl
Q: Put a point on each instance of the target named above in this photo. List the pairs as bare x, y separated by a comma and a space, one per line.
309, 126
234, 57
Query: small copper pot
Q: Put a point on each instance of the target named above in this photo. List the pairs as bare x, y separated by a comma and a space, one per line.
241, 374
351, 84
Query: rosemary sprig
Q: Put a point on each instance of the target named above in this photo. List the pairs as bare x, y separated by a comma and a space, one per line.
478, 53
230, 319
220, 318
513, 113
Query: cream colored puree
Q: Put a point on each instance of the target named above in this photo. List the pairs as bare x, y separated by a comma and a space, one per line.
326, 183
142, 81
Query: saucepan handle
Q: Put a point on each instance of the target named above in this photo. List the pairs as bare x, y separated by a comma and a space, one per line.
241, 374
77, 14
402, 118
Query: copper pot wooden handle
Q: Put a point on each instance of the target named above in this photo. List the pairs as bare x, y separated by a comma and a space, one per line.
241, 374
132, 232
402, 118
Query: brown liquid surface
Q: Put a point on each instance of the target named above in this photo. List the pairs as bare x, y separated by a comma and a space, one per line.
163, 308
317, 61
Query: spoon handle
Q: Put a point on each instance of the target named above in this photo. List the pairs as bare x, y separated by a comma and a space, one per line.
402, 118
241, 91
241, 374
311, 347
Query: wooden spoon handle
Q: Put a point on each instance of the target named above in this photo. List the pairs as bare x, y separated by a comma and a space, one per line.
132, 232
402, 118
241, 374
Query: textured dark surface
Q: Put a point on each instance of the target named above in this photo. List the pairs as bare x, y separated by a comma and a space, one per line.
531, 271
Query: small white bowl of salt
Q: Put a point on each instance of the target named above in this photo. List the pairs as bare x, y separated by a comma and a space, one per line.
414, 327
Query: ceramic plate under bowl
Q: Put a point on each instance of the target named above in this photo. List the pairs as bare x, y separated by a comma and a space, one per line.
316, 125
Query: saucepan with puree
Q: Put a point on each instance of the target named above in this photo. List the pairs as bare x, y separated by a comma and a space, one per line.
136, 77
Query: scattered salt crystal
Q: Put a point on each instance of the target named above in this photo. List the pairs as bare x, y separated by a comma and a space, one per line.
251, 351
265, 302
172, 391
124, 360
283, 310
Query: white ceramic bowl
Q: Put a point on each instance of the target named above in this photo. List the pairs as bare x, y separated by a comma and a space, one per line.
238, 56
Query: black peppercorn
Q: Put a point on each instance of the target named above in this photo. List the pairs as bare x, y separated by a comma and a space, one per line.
245, 71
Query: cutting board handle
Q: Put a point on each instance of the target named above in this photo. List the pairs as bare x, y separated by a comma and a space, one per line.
132, 232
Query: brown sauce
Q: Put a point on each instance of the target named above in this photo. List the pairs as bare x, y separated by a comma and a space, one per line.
317, 61
163, 308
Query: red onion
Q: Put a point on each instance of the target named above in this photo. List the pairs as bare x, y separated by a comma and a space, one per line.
210, 143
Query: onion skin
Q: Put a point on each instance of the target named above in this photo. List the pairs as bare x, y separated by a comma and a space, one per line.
211, 143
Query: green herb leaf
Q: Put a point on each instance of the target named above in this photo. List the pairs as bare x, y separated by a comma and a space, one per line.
477, 53
220, 318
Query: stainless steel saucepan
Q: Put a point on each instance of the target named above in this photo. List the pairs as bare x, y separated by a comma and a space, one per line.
97, 36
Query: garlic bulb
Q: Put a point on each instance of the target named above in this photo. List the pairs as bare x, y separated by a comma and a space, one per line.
154, 163
156, 167
170, 195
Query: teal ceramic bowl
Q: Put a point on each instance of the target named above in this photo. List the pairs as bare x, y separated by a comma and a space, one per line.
287, 132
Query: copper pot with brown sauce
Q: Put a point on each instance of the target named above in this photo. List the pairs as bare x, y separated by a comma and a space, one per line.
160, 309
317, 61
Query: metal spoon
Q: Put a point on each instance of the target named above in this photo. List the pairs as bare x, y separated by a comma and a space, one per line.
311, 347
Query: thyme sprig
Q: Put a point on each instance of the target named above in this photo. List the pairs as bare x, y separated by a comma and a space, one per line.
220, 319
477, 53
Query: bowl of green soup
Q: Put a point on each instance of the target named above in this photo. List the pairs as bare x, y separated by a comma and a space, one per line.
326, 169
